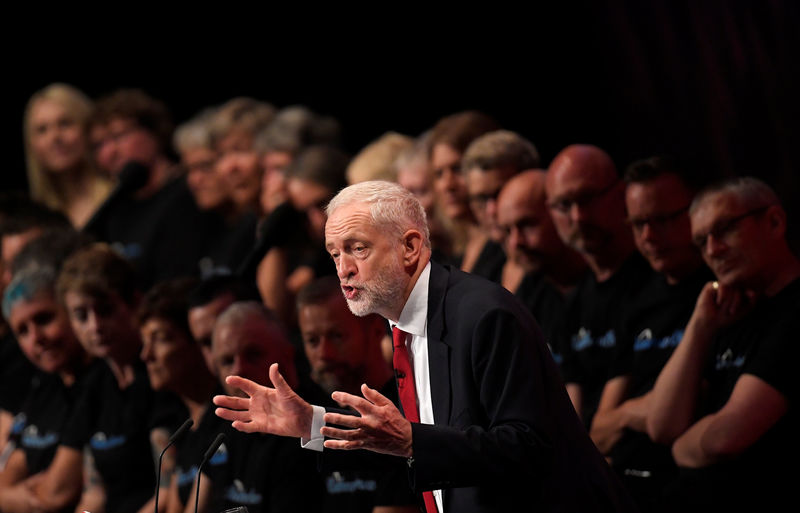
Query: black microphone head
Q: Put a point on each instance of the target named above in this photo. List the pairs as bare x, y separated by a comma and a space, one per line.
214, 446
181, 430
133, 176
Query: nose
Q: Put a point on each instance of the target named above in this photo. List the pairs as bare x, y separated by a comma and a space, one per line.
327, 350
647, 232
92, 323
345, 267
236, 368
491, 209
513, 239
147, 352
714, 246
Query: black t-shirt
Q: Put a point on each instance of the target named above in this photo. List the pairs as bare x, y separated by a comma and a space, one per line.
46, 415
115, 424
547, 305
227, 242
594, 318
16, 372
358, 481
764, 477
655, 325
163, 235
193, 446
490, 262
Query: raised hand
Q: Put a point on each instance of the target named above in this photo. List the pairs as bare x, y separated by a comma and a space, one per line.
719, 305
380, 428
279, 410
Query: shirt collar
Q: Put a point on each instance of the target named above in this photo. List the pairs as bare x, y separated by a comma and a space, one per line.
414, 317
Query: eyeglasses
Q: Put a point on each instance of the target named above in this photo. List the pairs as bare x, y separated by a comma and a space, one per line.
724, 227
655, 222
583, 199
115, 137
480, 200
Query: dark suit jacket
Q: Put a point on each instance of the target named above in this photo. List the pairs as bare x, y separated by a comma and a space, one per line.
505, 437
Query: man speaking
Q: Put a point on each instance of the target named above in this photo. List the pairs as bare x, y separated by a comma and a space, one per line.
487, 425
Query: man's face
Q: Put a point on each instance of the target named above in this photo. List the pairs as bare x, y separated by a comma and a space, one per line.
201, 324
104, 326
121, 141
208, 189
418, 180
42, 329
336, 344
659, 218
246, 350
448, 183
483, 188
530, 239
273, 181
368, 261
585, 210
731, 239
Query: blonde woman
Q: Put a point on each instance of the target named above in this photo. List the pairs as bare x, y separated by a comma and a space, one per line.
60, 173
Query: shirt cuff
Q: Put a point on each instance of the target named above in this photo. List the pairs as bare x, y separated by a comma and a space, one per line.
317, 423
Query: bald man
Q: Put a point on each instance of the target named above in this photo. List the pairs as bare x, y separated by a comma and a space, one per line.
540, 268
586, 198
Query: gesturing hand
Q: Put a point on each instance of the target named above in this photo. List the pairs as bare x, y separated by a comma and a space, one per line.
380, 428
278, 410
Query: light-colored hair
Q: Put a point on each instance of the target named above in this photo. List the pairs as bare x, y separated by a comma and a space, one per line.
79, 107
751, 192
375, 161
239, 312
27, 284
241, 113
195, 133
392, 207
500, 149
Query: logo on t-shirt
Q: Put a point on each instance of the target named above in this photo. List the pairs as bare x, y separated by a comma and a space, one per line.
102, 442
239, 494
31, 438
727, 360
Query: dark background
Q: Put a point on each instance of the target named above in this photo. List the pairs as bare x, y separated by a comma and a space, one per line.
714, 82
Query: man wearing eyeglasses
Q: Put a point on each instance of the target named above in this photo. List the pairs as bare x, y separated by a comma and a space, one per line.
658, 193
586, 200
725, 398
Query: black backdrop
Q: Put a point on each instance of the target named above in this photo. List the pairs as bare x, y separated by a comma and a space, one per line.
715, 82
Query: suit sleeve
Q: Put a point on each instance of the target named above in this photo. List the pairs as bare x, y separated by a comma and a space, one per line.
500, 429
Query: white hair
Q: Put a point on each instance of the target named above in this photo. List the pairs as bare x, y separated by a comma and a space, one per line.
392, 207
752, 192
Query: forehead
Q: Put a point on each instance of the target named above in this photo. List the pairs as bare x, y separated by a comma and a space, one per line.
572, 177
235, 338
486, 181
306, 194
333, 312
444, 155
23, 309
45, 108
351, 221
662, 192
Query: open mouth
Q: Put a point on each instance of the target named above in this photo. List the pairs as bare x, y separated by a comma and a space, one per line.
349, 291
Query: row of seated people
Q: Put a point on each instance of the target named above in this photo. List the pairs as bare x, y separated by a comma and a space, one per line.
616, 270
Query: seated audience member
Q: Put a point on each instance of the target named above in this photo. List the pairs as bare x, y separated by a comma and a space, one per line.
206, 301
586, 198
449, 139
42, 328
61, 174
247, 340
233, 129
658, 195
99, 290
150, 218
293, 129
175, 364
726, 398
229, 233
296, 257
345, 351
540, 269
375, 161
488, 163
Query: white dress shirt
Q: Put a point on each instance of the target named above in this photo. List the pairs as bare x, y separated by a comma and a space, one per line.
414, 321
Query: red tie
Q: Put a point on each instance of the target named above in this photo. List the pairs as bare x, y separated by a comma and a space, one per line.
406, 389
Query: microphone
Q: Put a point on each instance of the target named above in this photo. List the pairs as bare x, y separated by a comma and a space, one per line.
133, 177
209, 453
174, 438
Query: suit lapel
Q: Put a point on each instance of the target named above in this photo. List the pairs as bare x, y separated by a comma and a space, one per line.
438, 350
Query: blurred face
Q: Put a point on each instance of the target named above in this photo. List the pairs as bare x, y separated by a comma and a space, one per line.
241, 171
42, 329
207, 187
121, 141
57, 139
12, 245
164, 350
104, 326
448, 183
530, 239
247, 350
201, 323
368, 261
659, 218
336, 344
273, 183
732, 239
417, 180
311, 198
483, 188
585, 210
